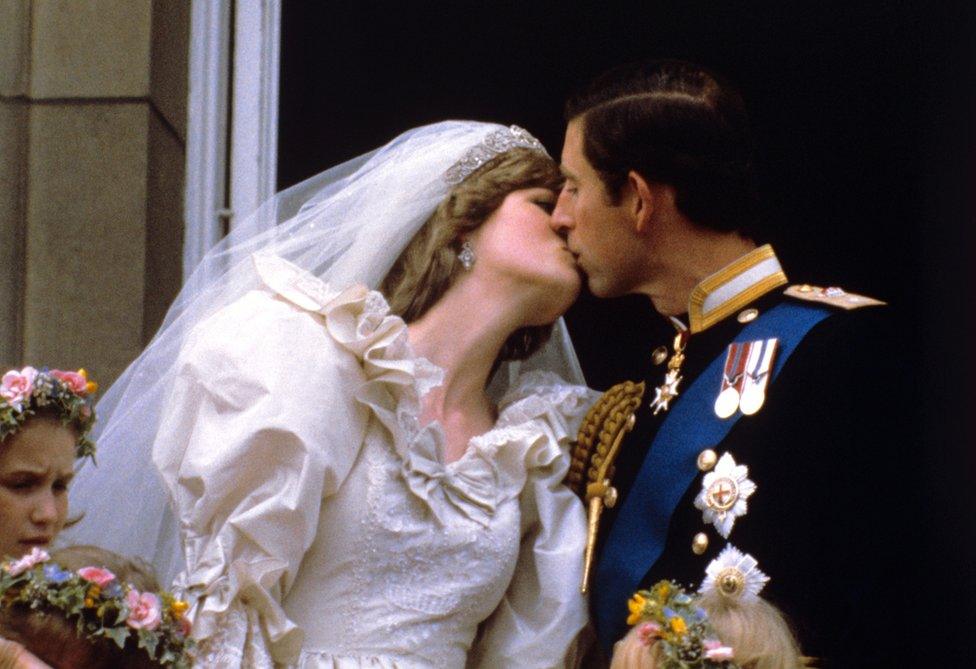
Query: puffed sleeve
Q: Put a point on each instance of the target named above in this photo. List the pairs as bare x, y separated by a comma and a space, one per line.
539, 621
260, 427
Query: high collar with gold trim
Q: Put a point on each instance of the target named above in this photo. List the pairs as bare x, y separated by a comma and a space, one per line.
733, 287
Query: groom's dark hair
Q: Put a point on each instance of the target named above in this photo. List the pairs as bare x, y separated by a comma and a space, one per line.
676, 123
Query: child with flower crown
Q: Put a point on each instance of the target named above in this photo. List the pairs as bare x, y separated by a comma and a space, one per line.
88, 607
45, 421
726, 625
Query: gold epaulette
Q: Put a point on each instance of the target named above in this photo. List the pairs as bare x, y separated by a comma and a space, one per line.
597, 446
603, 423
835, 297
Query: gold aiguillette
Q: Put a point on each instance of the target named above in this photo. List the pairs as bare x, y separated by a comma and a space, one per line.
597, 446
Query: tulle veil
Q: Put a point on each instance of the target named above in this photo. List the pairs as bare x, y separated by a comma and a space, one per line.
345, 225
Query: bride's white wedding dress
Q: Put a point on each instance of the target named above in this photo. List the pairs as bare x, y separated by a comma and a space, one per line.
320, 523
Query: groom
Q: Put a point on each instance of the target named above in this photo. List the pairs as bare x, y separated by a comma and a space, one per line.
789, 381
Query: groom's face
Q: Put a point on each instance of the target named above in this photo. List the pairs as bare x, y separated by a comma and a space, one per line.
599, 233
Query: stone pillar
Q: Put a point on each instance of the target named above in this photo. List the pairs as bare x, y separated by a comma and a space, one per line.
168, 88
90, 177
14, 42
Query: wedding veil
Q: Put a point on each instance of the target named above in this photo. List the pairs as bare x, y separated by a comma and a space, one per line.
346, 225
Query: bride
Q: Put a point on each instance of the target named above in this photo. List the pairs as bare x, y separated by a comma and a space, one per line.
366, 478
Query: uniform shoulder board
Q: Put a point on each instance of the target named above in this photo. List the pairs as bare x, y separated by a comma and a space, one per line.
834, 296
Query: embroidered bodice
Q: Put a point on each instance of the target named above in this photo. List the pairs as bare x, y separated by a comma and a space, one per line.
322, 526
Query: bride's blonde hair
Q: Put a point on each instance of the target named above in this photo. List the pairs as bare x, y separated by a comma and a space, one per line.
428, 265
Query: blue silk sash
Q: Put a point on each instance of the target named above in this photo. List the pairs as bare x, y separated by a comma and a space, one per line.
640, 530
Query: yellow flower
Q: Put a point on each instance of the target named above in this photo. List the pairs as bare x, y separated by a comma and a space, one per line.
179, 607
89, 602
636, 606
678, 625
91, 386
661, 591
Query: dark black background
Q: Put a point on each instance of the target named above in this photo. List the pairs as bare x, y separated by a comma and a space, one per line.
863, 114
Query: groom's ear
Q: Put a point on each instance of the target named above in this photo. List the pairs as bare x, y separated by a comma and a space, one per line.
644, 201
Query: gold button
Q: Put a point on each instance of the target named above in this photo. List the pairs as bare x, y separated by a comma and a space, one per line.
805, 288
748, 315
731, 582
707, 460
610, 497
699, 544
660, 355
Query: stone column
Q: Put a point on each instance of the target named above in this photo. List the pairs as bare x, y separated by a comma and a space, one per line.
90, 177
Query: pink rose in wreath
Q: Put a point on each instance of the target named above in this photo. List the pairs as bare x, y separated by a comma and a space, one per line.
77, 383
35, 557
97, 575
145, 610
714, 650
16, 387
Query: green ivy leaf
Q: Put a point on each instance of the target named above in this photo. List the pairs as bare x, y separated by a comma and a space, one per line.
149, 641
116, 634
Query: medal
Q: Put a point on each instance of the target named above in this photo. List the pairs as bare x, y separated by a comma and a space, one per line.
668, 390
728, 397
756, 376
727, 402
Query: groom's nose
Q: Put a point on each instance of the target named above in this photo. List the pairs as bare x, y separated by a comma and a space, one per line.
562, 215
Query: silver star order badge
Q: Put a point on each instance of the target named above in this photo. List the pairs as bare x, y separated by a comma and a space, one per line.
666, 392
724, 492
734, 574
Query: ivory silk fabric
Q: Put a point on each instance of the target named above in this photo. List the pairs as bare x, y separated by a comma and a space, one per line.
320, 524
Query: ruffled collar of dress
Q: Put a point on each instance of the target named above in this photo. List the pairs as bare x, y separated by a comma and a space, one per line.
533, 414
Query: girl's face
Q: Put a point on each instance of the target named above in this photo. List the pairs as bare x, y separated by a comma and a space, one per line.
517, 244
36, 465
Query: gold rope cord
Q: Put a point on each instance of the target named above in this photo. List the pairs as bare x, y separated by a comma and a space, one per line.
597, 446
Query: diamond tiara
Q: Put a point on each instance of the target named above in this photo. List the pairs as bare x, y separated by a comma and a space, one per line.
495, 143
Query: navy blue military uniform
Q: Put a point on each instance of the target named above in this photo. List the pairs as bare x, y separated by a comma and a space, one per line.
833, 489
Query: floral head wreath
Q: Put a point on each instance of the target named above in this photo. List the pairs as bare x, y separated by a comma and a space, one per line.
101, 606
23, 392
666, 614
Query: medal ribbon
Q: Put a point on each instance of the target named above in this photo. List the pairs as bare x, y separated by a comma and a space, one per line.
761, 358
735, 365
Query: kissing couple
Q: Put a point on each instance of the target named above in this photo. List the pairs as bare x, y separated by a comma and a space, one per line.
352, 440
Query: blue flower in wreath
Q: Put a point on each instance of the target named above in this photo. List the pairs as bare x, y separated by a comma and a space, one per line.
113, 589
55, 574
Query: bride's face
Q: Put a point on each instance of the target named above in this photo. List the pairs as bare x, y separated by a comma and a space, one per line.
517, 245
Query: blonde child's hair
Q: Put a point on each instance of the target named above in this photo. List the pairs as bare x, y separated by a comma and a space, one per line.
756, 630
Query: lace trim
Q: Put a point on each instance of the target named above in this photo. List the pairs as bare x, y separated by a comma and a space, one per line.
328, 660
536, 413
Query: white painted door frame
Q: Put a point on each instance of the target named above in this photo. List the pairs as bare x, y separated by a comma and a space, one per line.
232, 117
